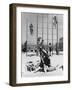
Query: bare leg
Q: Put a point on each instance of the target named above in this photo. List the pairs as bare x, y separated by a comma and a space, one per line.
52, 68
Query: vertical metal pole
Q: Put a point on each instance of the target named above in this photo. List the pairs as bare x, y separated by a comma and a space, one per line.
26, 33
37, 34
47, 32
37, 27
57, 37
52, 34
42, 27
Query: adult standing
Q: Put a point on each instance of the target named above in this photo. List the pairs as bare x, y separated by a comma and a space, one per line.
50, 48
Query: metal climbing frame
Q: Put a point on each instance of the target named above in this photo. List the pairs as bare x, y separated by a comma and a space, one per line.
46, 27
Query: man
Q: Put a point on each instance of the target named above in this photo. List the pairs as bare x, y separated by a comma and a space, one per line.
43, 55
24, 49
50, 48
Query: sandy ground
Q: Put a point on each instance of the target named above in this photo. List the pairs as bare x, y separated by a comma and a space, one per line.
56, 60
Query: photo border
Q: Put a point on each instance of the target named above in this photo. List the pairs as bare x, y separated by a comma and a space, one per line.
12, 63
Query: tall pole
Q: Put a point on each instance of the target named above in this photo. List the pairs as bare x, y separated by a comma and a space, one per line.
37, 34
42, 27
47, 32
57, 38
37, 27
52, 34
26, 34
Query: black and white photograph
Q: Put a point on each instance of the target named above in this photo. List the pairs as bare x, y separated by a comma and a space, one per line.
41, 40
41, 44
